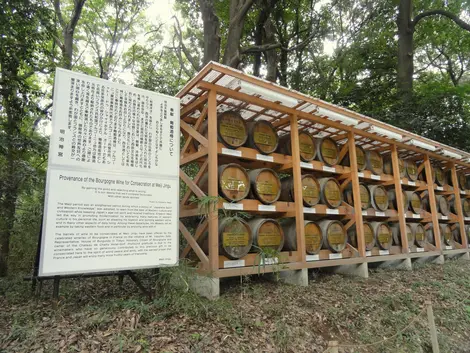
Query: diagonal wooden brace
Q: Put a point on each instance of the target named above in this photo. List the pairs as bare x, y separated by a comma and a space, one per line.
194, 245
199, 231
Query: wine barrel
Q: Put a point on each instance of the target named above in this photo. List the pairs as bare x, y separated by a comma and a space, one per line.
360, 158
267, 234
442, 205
461, 179
369, 238
330, 192
392, 200
467, 232
388, 166
307, 146
466, 207
231, 129
234, 183
430, 234
265, 185
262, 136
419, 234
411, 170
379, 197
374, 162
439, 176
235, 237
334, 235
396, 234
363, 191
327, 151
446, 234
416, 204
310, 190
456, 236
313, 237
382, 234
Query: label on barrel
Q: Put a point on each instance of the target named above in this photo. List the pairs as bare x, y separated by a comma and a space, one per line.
412, 183
416, 203
309, 191
306, 165
329, 169
360, 175
384, 238
448, 247
269, 235
309, 210
232, 184
232, 128
312, 257
235, 239
234, 263
335, 256
229, 152
266, 188
439, 188
384, 252
262, 157
313, 237
419, 249
268, 208
368, 253
380, 214
330, 211
306, 148
269, 261
444, 217
233, 206
360, 158
264, 138
375, 177
415, 215
332, 193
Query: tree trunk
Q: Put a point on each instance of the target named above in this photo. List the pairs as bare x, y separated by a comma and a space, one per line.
405, 51
271, 55
67, 49
211, 31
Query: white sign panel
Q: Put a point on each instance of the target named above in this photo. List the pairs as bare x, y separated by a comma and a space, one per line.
112, 182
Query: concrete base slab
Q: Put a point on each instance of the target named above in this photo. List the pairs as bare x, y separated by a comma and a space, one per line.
295, 277
439, 260
205, 286
359, 270
462, 256
404, 264
465, 256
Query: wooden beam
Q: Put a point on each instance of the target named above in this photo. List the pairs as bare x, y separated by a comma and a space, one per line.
197, 178
458, 206
191, 184
432, 202
194, 245
343, 152
188, 109
399, 197
199, 231
194, 156
197, 125
194, 134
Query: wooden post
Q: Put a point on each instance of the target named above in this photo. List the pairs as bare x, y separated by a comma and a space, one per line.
458, 206
297, 179
213, 182
356, 195
399, 196
432, 202
432, 327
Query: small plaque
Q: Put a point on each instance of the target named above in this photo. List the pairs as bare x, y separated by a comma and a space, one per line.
262, 157
270, 261
439, 188
360, 175
335, 256
419, 249
313, 257
375, 177
229, 152
368, 253
234, 263
309, 210
384, 252
444, 217
412, 183
462, 192
364, 213
467, 218
330, 211
448, 247
306, 165
380, 214
233, 206
268, 208
415, 215
329, 169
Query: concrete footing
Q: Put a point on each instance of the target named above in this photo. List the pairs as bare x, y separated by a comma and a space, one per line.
295, 277
465, 256
439, 260
359, 270
206, 286
404, 264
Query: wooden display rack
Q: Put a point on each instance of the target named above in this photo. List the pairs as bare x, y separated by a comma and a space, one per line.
218, 88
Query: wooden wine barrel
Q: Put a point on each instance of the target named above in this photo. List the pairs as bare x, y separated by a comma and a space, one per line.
369, 238
327, 151
267, 234
467, 232
334, 235
461, 179
430, 234
439, 176
262, 136
416, 204
388, 166
379, 197
265, 185
446, 234
374, 162
310, 190
363, 191
456, 236
382, 234
392, 200
411, 170
466, 207
396, 234
235, 237
234, 183
307, 146
419, 234
443, 205
231, 129
360, 158
330, 192
313, 237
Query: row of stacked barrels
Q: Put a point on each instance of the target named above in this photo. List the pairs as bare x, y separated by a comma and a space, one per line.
238, 237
